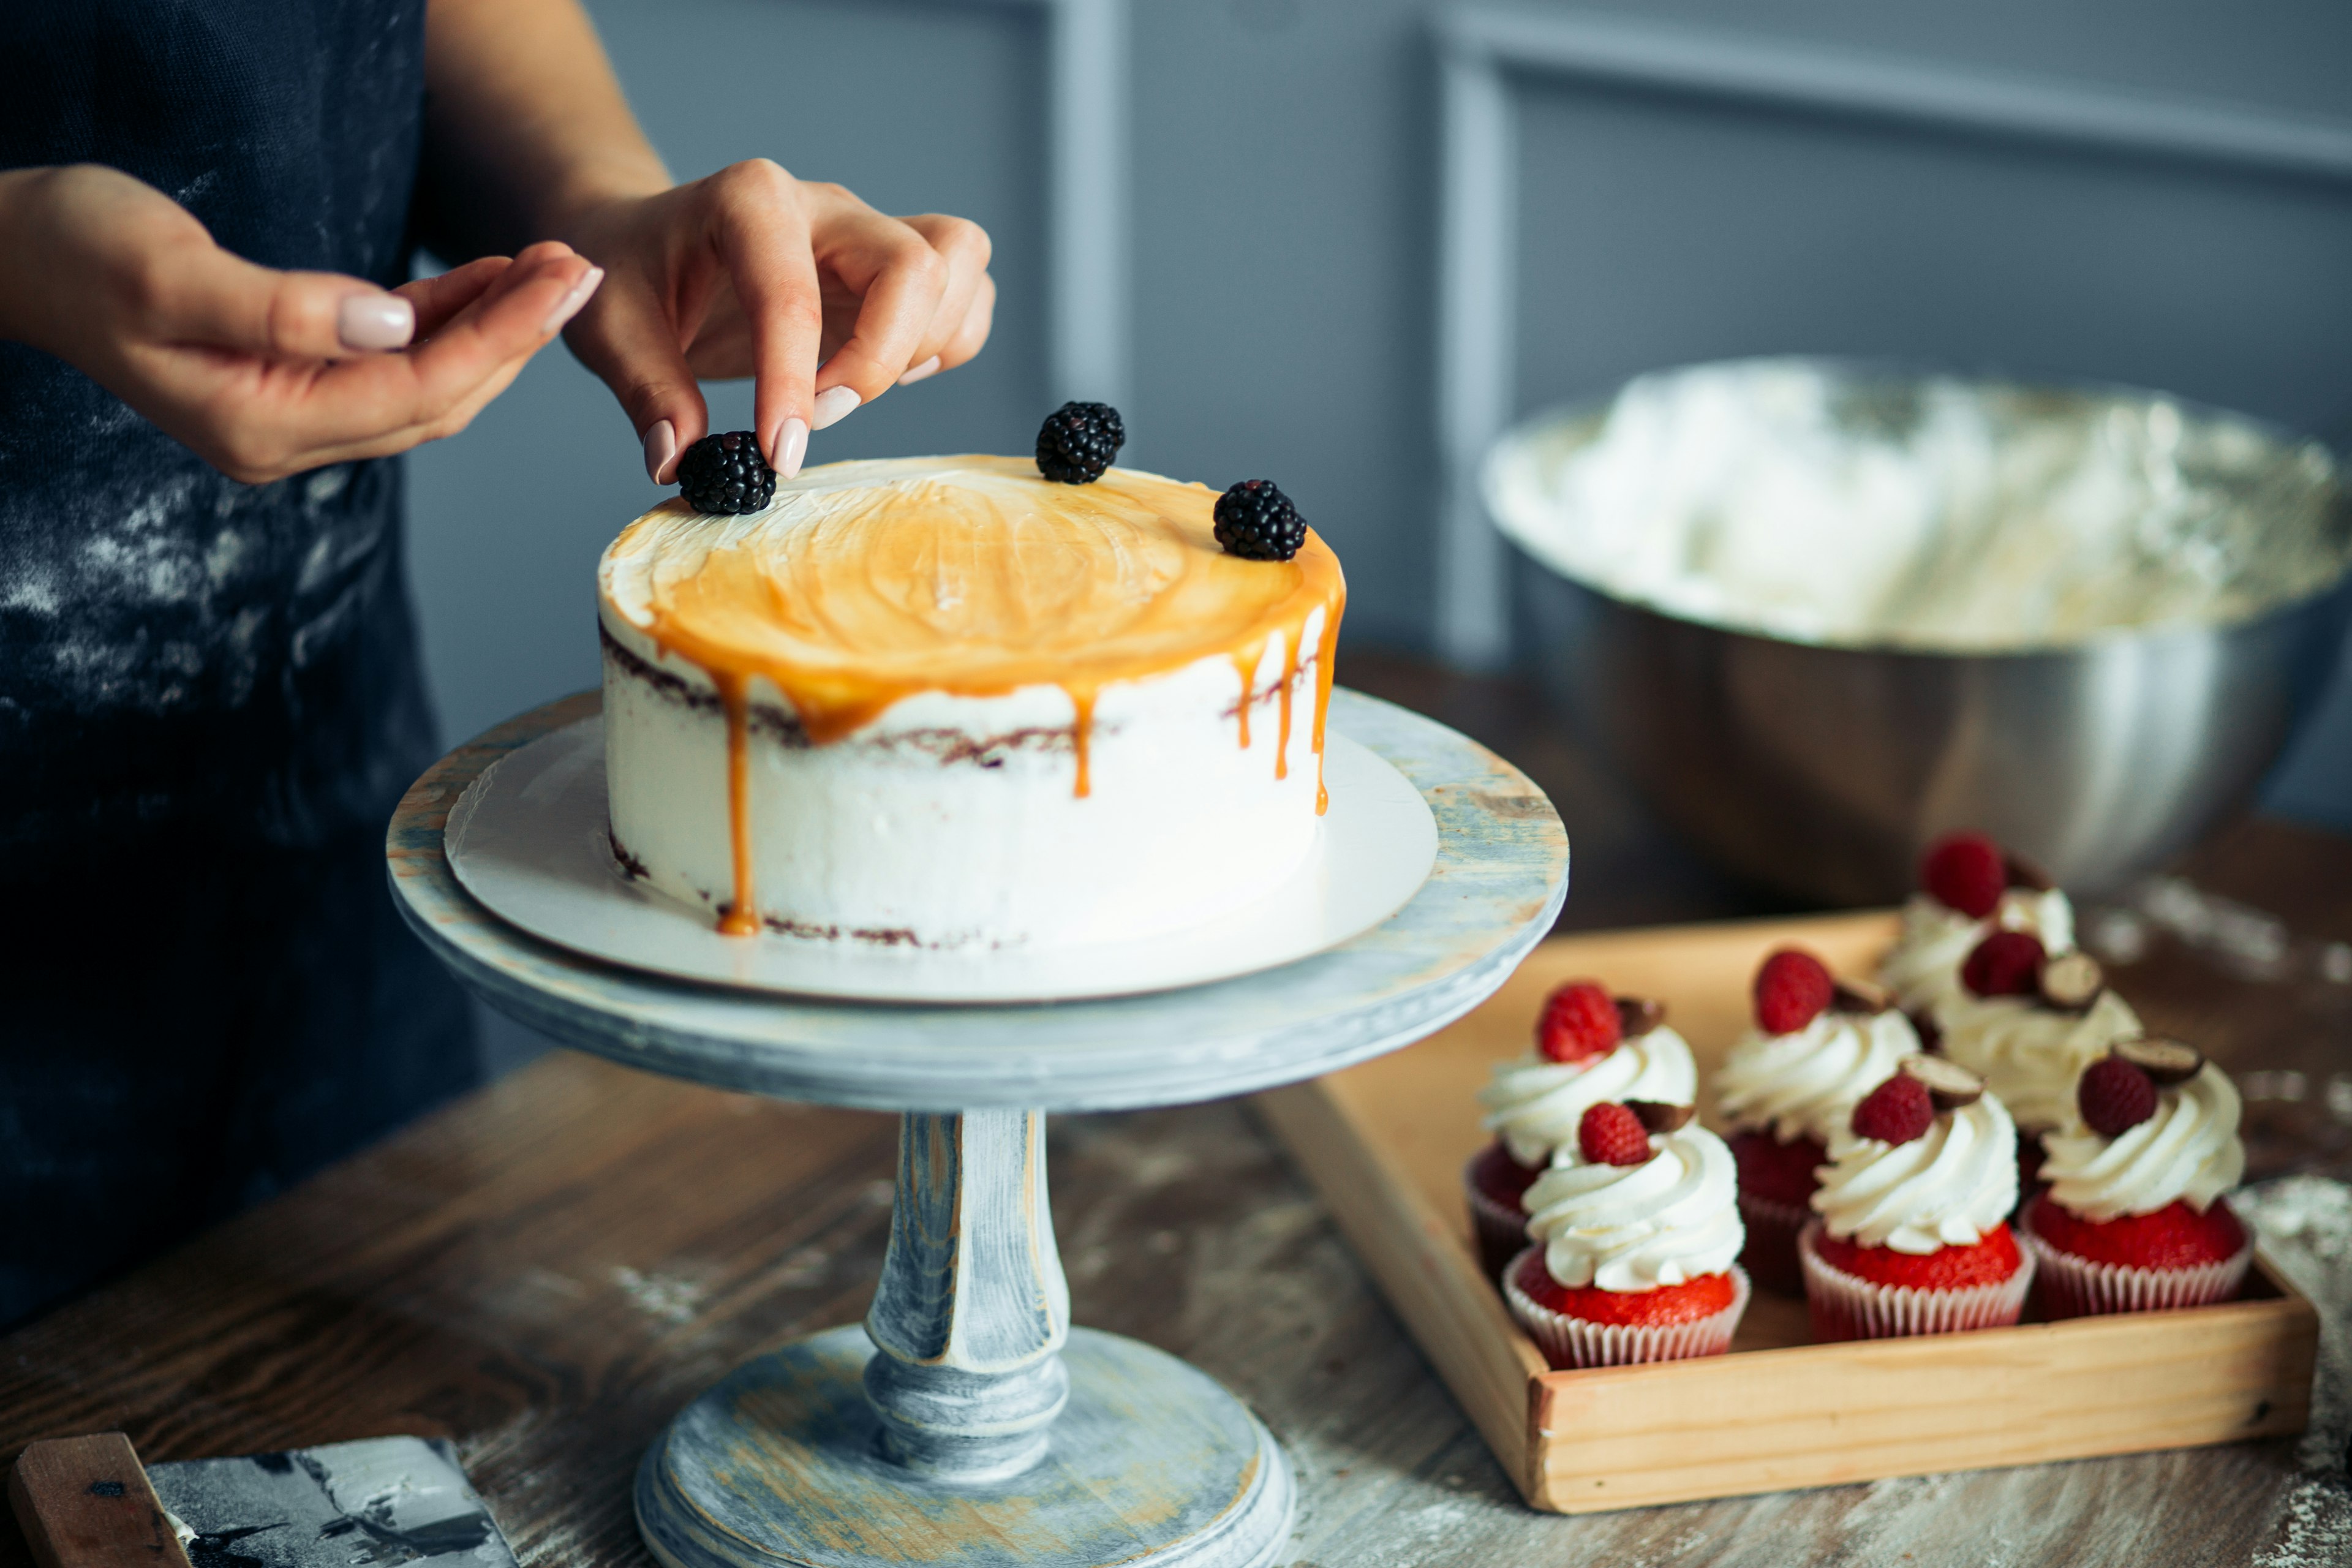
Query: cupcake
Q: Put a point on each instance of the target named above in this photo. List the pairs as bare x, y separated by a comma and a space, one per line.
1912, 1236
1788, 1083
1589, 1046
2134, 1219
2028, 1023
1969, 888
1636, 1228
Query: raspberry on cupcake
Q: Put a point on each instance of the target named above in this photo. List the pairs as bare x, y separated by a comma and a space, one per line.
2029, 1022
2135, 1220
1589, 1045
1817, 1047
1913, 1234
1636, 1231
1969, 888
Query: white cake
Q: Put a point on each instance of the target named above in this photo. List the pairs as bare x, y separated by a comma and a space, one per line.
943, 701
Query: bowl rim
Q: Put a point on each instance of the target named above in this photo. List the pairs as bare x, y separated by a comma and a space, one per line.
1896, 368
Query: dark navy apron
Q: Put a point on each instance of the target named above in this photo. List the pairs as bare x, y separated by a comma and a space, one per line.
209, 692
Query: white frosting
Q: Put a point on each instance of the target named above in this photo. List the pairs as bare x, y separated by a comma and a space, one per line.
1671, 1219
1828, 506
2029, 1055
1534, 1105
2189, 1149
1946, 1188
1805, 1084
1923, 967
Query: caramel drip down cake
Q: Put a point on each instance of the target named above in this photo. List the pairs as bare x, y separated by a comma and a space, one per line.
945, 702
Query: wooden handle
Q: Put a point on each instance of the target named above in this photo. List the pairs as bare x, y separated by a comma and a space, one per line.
85, 1502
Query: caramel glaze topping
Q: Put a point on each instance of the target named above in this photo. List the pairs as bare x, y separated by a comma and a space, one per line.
865, 583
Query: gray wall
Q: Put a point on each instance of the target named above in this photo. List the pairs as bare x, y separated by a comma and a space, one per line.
1283, 171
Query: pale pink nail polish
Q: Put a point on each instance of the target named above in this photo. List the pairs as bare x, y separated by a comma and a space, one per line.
792, 445
923, 371
374, 322
834, 404
661, 445
569, 305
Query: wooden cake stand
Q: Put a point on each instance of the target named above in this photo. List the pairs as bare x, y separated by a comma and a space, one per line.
965, 1422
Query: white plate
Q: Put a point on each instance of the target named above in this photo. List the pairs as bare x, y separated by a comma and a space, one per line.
527, 839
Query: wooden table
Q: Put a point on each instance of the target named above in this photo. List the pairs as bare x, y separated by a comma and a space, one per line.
545, 1271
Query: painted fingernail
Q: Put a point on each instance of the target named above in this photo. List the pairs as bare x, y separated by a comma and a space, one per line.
661, 445
833, 406
923, 371
792, 445
569, 305
374, 322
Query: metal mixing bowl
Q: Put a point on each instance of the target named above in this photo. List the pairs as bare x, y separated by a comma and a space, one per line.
1822, 764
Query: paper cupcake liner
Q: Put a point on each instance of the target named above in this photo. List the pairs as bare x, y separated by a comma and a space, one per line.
1567, 1342
1846, 1306
1770, 1254
1502, 1232
2065, 1285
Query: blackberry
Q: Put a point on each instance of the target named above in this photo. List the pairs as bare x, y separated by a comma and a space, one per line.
1077, 442
726, 473
1257, 523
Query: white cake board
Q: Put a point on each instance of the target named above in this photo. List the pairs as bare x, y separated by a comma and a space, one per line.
530, 839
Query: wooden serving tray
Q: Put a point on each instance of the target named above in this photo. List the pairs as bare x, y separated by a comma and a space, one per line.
1385, 1144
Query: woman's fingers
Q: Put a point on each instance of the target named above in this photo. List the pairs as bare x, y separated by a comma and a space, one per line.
964, 246
437, 298
972, 332
288, 416
898, 281
625, 338
763, 241
192, 292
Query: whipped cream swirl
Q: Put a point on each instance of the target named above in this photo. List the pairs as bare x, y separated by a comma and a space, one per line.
2189, 1148
1946, 1188
1805, 1084
2029, 1055
1923, 967
1671, 1219
1534, 1104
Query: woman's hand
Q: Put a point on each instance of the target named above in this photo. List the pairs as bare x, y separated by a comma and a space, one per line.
263, 374
753, 272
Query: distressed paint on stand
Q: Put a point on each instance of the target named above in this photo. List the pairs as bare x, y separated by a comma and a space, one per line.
971, 1441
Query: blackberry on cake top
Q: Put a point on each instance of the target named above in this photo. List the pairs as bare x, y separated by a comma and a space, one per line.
1817, 1046
726, 474
2135, 1217
1079, 441
1589, 1045
1256, 521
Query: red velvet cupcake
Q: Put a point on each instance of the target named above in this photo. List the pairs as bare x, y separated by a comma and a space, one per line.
1912, 1236
1589, 1046
1817, 1046
2134, 1219
1636, 1227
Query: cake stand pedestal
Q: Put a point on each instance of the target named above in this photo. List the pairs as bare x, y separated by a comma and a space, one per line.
965, 1422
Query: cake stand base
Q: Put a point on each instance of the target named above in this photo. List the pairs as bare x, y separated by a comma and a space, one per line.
783, 1463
